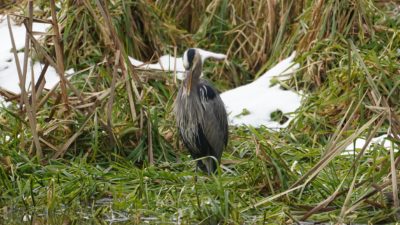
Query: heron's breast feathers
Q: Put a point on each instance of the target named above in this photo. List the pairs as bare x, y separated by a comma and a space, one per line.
201, 118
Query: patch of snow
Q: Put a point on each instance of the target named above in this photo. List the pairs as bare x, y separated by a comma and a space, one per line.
170, 63
258, 100
136, 62
360, 142
9, 77
8, 71
165, 63
19, 32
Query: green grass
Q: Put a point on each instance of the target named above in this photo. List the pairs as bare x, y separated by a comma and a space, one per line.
77, 189
348, 52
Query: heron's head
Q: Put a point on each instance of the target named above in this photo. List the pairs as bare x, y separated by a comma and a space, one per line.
193, 65
191, 59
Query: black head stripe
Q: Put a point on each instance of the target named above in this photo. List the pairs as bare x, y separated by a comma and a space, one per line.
190, 56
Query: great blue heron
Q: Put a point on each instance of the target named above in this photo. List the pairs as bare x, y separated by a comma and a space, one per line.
200, 114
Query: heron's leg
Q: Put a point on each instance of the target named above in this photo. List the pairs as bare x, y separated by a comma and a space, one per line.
209, 168
209, 165
201, 165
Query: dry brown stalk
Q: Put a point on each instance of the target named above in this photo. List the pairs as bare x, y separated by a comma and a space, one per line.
40, 83
59, 53
31, 112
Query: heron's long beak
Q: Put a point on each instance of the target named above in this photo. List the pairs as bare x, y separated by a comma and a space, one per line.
189, 86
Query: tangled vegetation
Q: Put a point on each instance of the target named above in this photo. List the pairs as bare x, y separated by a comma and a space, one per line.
101, 147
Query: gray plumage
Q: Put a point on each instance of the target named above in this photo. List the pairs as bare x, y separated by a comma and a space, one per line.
200, 115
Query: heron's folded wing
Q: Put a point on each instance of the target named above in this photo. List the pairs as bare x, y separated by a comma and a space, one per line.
215, 124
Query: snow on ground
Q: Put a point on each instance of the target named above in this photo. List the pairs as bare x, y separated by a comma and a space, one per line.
257, 99
253, 103
165, 63
382, 140
8, 70
170, 63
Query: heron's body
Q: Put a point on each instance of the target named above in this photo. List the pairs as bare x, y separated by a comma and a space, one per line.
201, 118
